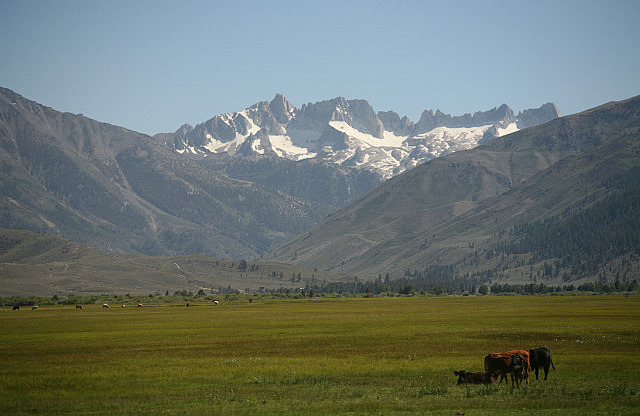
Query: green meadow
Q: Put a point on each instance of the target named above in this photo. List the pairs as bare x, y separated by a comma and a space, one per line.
317, 357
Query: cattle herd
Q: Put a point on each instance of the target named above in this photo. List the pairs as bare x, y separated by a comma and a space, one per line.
517, 363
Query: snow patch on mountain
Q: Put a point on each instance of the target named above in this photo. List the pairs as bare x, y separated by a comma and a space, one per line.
283, 147
349, 133
511, 128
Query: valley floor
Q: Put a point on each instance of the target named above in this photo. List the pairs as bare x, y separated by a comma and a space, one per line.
320, 356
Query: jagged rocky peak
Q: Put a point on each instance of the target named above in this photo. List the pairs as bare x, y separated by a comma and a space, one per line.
357, 113
224, 127
262, 115
429, 120
392, 122
282, 110
535, 116
364, 118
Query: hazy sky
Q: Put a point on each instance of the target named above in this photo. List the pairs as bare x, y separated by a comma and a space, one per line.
153, 65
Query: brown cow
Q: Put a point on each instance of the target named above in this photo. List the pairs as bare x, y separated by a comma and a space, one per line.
502, 364
525, 355
474, 378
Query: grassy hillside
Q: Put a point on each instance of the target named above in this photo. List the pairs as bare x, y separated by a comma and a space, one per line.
43, 265
456, 210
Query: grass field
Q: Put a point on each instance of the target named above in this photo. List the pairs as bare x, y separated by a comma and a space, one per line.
329, 356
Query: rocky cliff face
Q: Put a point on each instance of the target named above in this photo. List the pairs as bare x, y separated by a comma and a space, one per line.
348, 133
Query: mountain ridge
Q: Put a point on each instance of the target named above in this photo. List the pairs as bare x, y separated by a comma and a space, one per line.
348, 133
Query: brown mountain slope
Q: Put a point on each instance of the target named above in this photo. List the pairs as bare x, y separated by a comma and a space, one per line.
430, 206
112, 188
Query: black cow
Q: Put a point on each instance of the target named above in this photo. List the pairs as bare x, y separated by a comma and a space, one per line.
518, 369
474, 378
540, 357
16, 307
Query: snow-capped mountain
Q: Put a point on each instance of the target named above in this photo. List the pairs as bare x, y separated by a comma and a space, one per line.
349, 133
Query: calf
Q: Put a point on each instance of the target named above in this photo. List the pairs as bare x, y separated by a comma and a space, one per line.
104, 305
78, 306
474, 378
16, 307
34, 307
540, 357
518, 367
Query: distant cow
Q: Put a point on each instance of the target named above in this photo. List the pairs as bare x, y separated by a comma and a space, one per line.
140, 305
540, 357
16, 307
104, 305
501, 364
34, 307
474, 378
215, 302
78, 306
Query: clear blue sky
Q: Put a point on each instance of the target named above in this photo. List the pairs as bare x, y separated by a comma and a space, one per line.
153, 65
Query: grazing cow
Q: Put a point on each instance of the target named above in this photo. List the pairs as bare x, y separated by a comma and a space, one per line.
34, 307
16, 307
540, 357
104, 305
78, 306
215, 302
140, 305
474, 378
502, 364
